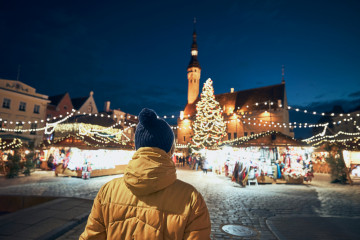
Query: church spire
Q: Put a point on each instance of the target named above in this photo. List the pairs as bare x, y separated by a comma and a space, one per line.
194, 50
193, 71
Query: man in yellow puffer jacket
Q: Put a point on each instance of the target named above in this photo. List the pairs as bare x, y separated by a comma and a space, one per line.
149, 202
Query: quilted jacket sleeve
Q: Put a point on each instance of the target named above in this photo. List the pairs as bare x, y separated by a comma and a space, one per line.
95, 227
198, 226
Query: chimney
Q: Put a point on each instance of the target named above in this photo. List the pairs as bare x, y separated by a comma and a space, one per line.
232, 90
107, 106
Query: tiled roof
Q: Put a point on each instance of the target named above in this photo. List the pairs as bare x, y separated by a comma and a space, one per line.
241, 99
101, 121
86, 142
272, 138
55, 100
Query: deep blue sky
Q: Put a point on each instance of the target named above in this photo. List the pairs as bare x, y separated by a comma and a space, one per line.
135, 53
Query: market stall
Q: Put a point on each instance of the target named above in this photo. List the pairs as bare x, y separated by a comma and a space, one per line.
84, 156
352, 162
270, 157
7, 147
347, 145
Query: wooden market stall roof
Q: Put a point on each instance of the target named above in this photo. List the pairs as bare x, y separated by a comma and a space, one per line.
271, 139
87, 142
348, 144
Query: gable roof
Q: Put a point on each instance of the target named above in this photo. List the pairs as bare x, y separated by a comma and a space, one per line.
78, 102
241, 99
270, 138
55, 100
101, 121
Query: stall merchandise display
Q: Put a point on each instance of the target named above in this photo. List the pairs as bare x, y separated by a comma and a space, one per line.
76, 159
289, 163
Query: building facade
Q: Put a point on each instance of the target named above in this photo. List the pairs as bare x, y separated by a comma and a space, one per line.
85, 104
245, 112
22, 111
60, 105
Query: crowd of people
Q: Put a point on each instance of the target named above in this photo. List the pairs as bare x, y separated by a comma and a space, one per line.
195, 162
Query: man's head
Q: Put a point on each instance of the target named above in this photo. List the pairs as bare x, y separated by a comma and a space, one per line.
153, 132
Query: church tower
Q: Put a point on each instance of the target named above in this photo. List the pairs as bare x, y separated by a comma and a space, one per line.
193, 72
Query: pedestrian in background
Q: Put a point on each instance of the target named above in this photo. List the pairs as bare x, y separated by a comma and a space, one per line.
149, 202
205, 165
198, 162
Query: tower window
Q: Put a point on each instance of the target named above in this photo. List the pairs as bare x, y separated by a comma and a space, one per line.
194, 52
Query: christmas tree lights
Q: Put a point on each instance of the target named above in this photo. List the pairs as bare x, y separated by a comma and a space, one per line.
209, 126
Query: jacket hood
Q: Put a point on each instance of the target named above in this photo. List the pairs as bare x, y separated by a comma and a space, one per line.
150, 170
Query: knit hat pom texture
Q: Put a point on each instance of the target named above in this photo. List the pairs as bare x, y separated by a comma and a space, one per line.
153, 131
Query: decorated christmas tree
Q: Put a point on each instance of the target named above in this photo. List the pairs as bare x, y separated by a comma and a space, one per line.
209, 127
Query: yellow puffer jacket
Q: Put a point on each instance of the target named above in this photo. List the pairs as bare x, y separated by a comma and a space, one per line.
148, 203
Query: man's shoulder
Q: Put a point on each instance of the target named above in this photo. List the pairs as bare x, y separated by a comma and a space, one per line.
183, 187
114, 183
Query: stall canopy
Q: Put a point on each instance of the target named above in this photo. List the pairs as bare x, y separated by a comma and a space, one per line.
87, 142
269, 139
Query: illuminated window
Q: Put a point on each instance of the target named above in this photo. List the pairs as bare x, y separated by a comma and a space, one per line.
6, 103
19, 127
22, 106
194, 52
33, 127
2, 125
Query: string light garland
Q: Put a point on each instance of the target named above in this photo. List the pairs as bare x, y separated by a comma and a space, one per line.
244, 139
269, 102
322, 137
100, 143
12, 144
49, 128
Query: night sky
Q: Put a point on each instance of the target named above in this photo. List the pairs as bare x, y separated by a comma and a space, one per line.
135, 54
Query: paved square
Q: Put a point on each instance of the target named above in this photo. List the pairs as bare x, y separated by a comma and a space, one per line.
270, 210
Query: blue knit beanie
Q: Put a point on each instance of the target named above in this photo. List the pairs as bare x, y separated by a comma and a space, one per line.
153, 131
